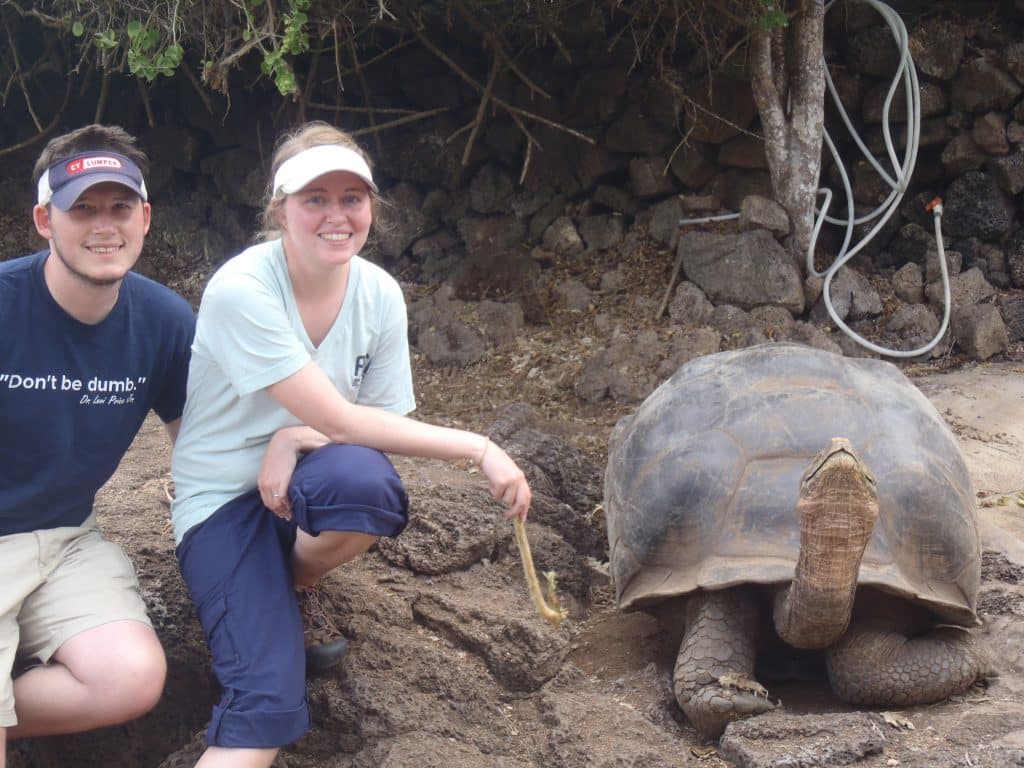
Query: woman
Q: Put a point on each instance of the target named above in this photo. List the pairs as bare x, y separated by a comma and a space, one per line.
299, 380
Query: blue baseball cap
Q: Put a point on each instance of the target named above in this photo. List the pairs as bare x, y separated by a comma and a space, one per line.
65, 181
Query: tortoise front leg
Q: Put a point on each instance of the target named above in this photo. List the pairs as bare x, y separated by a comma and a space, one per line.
878, 666
713, 678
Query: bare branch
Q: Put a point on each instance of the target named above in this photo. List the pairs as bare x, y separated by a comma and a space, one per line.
482, 108
17, 74
366, 92
668, 163
777, 38
499, 48
101, 100
526, 159
337, 56
499, 102
378, 110
146, 103
382, 10
197, 86
808, 31
769, 103
47, 130
696, 105
382, 55
401, 121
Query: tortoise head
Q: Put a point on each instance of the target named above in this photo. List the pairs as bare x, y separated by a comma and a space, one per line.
838, 468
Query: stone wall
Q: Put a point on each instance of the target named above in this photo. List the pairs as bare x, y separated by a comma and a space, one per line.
604, 155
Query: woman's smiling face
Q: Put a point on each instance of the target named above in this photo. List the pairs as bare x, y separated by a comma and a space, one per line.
327, 222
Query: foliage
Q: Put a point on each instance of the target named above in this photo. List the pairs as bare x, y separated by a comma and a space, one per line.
146, 57
312, 52
773, 17
153, 39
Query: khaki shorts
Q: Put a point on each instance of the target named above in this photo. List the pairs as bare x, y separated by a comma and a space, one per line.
54, 584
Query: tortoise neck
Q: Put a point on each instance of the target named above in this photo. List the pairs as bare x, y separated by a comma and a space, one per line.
837, 515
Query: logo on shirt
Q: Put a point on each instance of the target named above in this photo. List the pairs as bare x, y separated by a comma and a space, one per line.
359, 371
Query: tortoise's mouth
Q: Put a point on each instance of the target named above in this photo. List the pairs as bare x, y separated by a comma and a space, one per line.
838, 458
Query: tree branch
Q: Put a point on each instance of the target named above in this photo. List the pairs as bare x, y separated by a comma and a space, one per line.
20, 77
482, 108
400, 121
361, 75
499, 102
498, 45
46, 131
769, 104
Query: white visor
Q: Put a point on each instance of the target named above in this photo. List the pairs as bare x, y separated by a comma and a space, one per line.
296, 172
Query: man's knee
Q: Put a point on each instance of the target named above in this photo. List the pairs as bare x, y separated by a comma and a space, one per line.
140, 679
123, 662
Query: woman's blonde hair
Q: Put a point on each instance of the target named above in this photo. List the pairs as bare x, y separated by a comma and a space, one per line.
306, 136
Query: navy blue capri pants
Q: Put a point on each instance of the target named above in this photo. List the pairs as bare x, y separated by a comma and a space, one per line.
238, 570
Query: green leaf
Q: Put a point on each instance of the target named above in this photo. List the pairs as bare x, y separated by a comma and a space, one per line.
78, 29
133, 29
106, 39
773, 16
267, 65
285, 82
175, 53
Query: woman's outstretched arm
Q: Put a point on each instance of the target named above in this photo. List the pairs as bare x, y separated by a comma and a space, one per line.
311, 397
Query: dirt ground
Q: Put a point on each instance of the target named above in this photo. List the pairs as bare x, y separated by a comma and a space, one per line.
430, 688
451, 666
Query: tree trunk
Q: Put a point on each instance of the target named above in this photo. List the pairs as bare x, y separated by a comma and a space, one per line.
791, 102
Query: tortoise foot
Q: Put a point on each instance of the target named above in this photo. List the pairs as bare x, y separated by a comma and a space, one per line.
714, 706
877, 666
713, 680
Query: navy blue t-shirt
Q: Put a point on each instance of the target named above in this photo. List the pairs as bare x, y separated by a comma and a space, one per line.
73, 396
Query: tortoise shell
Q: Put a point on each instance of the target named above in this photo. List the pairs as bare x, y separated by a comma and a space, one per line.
702, 481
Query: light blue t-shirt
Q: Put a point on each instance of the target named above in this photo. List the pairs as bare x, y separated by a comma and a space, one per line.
249, 335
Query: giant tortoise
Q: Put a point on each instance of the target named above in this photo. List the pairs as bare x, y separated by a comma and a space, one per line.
824, 490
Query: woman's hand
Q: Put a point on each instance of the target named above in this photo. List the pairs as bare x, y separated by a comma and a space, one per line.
506, 481
278, 466
276, 473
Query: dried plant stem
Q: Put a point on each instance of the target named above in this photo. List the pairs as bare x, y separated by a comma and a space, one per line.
551, 614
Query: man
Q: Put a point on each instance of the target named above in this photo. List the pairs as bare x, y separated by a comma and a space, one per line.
87, 349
